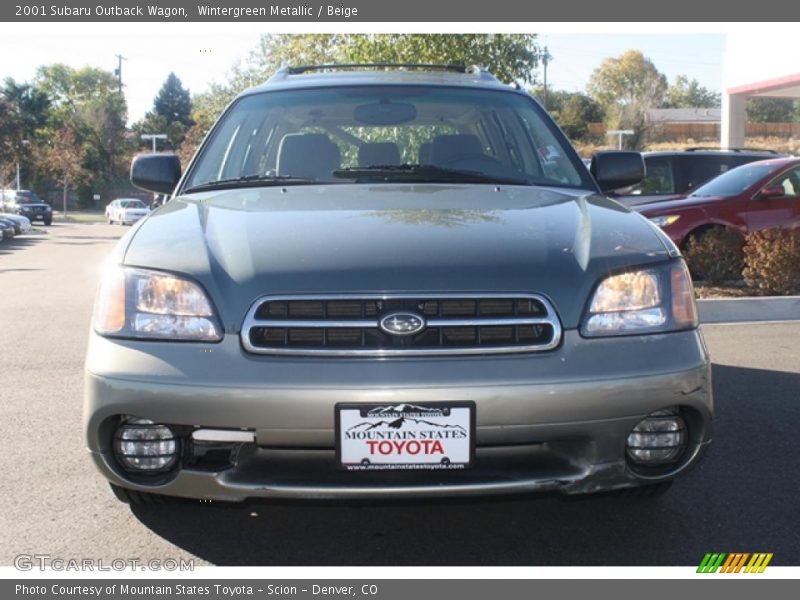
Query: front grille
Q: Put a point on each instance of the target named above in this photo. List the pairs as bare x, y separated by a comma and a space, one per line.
356, 326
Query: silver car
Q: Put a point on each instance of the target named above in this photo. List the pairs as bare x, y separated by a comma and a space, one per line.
392, 282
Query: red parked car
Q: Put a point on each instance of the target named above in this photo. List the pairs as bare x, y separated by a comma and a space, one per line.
758, 195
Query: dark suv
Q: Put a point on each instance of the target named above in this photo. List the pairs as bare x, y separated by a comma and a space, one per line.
670, 175
28, 204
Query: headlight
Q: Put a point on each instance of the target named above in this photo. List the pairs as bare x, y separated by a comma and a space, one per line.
148, 304
48, 208
650, 300
666, 220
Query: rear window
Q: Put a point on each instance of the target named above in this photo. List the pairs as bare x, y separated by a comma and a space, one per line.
132, 204
27, 198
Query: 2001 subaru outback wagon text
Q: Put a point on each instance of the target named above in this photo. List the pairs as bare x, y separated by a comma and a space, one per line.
392, 281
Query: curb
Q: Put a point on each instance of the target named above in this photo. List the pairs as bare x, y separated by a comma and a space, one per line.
749, 310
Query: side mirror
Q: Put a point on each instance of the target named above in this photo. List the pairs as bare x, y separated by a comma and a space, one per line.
772, 191
158, 173
616, 169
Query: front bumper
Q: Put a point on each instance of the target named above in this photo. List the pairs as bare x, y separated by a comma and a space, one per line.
551, 421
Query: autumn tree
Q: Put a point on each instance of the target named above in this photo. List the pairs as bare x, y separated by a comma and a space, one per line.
64, 159
627, 87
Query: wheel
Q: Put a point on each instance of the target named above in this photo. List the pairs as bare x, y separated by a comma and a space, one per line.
136, 498
48, 222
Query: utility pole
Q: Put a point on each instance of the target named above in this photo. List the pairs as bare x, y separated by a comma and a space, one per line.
118, 71
546, 58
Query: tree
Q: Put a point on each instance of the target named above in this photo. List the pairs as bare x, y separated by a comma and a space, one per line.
64, 159
171, 114
771, 110
685, 93
173, 102
86, 102
626, 87
23, 113
509, 57
573, 111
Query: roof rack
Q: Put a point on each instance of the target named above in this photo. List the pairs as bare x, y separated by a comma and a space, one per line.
457, 68
700, 148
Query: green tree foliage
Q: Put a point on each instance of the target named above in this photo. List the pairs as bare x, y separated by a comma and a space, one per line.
686, 93
173, 101
23, 114
509, 57
627, 87
171, 114
773, 110
573, 111
84, 102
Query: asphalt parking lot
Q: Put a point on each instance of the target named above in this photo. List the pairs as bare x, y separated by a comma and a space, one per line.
742, 498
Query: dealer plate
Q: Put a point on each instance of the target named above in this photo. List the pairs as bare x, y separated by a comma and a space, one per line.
385, 437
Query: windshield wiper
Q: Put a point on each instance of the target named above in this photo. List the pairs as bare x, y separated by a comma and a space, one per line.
249, 180
425, 173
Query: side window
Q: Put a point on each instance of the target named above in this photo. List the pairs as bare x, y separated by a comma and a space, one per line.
698, 170
789, 181
658, 179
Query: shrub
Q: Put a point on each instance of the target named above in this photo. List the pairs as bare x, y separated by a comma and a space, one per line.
772, 260
714, 255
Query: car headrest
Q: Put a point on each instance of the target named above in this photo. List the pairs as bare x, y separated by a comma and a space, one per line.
378, 153
448, 148
311, 155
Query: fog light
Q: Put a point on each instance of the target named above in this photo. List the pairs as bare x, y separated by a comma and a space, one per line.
658, 439
144, 446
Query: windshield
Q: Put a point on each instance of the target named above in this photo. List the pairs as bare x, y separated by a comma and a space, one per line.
27, 198
385, 133
735, 181
132, 204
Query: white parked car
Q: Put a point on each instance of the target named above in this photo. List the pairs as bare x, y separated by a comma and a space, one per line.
126, 211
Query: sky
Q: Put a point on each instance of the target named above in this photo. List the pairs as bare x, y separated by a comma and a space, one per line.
201, 53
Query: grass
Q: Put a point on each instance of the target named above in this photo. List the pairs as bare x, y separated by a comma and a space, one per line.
79, 217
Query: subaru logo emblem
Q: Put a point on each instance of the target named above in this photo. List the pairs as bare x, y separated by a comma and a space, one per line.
400, 323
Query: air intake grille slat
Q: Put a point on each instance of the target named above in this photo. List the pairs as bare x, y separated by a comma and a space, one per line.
351, 325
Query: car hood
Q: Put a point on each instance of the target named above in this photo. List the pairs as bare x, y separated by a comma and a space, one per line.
347, 238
